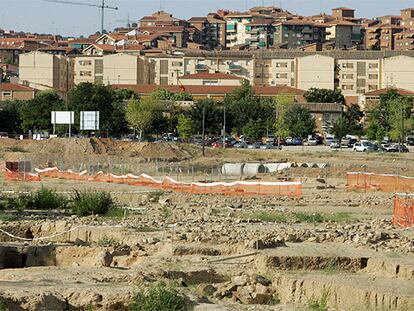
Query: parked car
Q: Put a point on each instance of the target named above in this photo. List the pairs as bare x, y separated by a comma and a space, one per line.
270, 139
241, 145
295, 141
271, 146
4, 135
400, 148
219, 144
363, 146
409, 140
255, 145
313, 141
329, 140
351, 142
335, 144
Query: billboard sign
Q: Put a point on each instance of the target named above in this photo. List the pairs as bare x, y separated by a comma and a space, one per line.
89, 120
63, 117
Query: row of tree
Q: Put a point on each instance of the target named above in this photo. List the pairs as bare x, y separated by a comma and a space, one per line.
243, 111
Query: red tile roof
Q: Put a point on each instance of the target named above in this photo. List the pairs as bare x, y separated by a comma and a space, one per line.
130, 47
207, 75
209, 89
15, 87
384, 91
158, 29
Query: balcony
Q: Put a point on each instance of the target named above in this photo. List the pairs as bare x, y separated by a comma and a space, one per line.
201, 67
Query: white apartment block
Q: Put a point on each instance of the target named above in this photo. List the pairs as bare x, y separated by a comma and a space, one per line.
236, 32
354, 72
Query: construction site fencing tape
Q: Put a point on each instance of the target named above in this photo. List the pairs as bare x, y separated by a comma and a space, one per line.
20, 176
379, 182
239, 188
403, 214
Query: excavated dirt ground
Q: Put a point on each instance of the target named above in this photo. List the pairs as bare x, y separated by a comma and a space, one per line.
221, 252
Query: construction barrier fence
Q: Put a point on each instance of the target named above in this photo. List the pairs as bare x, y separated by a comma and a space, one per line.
20, 176
379, 182
239, 188
403, 214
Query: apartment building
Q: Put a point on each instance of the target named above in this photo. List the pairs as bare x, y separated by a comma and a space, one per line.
217, 30
236, 31
212, 79
88, 68
343, 13
404, 40
260, 33
381, 37
295, 33
44, 71
168, 68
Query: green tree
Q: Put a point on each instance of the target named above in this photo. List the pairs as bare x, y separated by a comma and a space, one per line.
10, 116
243, 106
213, 116
391, 116
254, 129
353, 116
35, 113
163, 94
142, 114
340, 128
299, 121
185, 127
315, 95
282, 104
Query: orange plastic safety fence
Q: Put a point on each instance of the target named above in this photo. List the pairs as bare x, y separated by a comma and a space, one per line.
403, 214
240, 188
20, 176
379, 182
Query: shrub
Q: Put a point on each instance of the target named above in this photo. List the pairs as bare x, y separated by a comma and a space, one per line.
159, 297
47, 199
106, 241
85, 203
319, 304
20, 202
3, 305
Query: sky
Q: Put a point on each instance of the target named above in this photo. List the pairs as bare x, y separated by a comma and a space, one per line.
69, 20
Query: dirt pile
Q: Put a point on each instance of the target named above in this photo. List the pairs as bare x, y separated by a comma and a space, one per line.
74, 147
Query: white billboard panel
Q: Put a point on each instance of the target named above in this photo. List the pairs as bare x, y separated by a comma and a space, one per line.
89, 120
63, 117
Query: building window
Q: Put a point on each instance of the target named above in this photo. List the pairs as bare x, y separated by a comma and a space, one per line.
347, 65
177, 64
347, 87
8, 94
210, 82
347, 76
85, 73
373, 76
281, 75
281, 65
373, 65
372, 87
85, 62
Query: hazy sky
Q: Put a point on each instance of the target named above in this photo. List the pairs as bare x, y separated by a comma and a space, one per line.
45, 17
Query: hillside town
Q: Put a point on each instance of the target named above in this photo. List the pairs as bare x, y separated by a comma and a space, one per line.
267, 46
239, 160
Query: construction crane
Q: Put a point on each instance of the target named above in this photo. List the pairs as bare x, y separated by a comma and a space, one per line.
102, 6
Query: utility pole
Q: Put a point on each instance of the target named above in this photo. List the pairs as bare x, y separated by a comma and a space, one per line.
204, 130
224, 126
